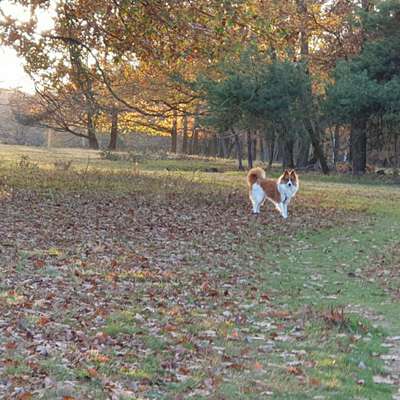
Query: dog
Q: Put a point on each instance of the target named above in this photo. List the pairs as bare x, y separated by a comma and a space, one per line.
278, 191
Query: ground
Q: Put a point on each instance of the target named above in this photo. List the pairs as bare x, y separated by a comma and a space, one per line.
151, 279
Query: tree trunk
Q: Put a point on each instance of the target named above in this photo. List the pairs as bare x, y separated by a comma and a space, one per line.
358, 134
239, 151
311, 126
230, 145
304, 152
261, 147
304, 48
174, 134
114, 131
249, 150
185, 135
223, 150
313, 130
336, 145
271, 150
287, 154
195, 141
255, 149
214, 146
359, 146
319, 152
91, 131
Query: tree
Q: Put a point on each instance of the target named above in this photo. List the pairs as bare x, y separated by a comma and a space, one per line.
254, 95
366, 86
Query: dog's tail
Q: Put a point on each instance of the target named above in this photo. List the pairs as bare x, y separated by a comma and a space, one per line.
254, 175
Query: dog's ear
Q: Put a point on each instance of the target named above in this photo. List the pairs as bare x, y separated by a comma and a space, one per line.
286, 172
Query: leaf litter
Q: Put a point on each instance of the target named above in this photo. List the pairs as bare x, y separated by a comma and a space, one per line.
134, 295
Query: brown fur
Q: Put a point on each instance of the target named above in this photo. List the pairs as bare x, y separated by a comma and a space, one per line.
270, 186
255, 175
293, 176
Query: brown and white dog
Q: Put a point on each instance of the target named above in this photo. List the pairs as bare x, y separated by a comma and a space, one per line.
278, 191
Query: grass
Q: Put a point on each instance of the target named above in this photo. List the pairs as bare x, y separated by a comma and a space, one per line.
153, 281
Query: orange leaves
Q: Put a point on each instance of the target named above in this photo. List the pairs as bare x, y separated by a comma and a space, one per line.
265, 297
294, 370
43, 320
258, 366
234, 335
169, 328
273, 335
335, 316
102, 358
92, 372
314, 382
175, 311
39, 263
25, 396
102, 337
184, 371
208, 290
10, 345
95, 355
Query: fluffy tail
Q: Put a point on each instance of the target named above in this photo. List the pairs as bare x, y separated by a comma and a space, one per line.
254, 175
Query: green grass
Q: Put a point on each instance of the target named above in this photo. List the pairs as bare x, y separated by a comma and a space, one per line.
168, 288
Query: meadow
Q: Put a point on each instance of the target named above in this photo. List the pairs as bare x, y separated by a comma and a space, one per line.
150, 279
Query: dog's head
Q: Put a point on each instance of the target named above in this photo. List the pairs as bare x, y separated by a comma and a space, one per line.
289, 178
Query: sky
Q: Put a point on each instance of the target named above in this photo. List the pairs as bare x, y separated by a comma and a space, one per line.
12, 73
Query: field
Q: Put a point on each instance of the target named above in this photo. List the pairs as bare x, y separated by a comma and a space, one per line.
152, 280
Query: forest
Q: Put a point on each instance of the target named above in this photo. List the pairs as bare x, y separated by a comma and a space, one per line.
313, 84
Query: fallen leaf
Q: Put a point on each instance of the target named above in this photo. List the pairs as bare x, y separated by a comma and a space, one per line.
294, 370
258, 365
10, 345
25, 396
39, 263
43, 320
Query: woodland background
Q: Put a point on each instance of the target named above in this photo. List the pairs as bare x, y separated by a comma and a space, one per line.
308, 83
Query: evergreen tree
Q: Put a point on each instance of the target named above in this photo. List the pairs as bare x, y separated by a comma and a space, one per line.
367, 86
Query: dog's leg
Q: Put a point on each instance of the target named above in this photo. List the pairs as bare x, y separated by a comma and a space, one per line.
286, 206
256, 208
255, 205
257, 197
283, 210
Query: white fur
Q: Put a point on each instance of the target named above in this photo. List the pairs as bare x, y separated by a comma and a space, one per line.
257, 197
287, 191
